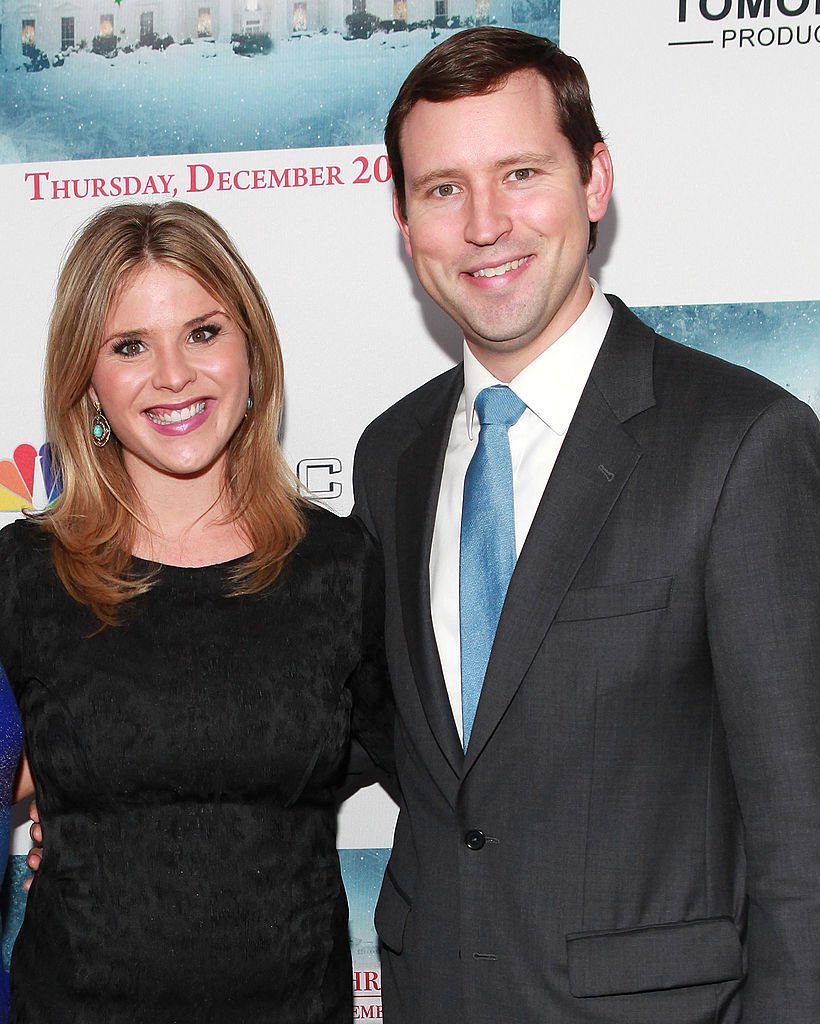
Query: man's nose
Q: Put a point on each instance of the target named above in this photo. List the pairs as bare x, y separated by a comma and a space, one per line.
488, 218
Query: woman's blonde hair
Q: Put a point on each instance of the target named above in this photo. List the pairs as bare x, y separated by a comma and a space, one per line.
93, 522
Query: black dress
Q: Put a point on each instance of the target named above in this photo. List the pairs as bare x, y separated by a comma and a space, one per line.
186, 763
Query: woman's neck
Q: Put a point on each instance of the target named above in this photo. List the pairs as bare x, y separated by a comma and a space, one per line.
186, 521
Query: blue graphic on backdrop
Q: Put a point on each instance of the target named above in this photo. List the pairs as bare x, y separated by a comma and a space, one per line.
189, 86
781, 340
362, 871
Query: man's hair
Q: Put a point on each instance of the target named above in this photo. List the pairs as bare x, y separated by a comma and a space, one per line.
479, 61
93, 522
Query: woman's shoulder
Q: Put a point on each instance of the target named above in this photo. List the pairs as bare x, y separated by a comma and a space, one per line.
23, 538
337, 535
322, 523
25, 557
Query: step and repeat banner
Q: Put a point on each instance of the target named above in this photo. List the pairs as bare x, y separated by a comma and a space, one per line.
269, 114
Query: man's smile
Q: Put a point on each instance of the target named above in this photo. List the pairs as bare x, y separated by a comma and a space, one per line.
503, 268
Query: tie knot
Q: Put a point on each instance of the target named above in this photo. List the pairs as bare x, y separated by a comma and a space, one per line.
498, 405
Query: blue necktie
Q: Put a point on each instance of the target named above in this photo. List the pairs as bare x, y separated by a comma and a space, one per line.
487, 541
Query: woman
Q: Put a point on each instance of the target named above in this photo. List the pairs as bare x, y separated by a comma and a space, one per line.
188, 642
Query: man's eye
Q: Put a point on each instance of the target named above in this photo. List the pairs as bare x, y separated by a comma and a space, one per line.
445, 190
522, 174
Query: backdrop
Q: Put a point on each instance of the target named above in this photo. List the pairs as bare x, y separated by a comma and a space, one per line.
268, 113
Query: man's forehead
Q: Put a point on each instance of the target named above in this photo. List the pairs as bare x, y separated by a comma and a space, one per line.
526, 85
526, 88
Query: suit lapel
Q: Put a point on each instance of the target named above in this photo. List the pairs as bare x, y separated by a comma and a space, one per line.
595, 462
418, 485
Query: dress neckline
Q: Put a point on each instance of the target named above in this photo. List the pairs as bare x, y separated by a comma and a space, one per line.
171, 567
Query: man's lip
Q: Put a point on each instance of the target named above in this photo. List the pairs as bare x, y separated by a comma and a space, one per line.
501, 268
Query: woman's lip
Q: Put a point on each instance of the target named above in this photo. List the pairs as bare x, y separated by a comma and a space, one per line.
165, 422
176, 406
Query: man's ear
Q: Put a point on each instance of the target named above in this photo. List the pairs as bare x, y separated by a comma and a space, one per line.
599, 187
402, 223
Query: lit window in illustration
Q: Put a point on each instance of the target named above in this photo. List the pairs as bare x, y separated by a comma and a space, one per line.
106, 25
400, 10
251, 5
441, 8
66, 33
29, 37
300, 17
482, 9
204, 22
146, 28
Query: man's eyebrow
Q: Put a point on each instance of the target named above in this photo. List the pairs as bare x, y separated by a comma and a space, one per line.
525, 159
443, 174
423, 181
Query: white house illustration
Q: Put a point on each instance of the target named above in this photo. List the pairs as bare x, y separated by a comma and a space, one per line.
56, 25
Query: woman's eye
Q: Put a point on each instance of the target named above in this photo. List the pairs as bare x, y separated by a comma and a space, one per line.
205, 333
128, 347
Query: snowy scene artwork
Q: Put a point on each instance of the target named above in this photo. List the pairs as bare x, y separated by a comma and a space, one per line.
124, 78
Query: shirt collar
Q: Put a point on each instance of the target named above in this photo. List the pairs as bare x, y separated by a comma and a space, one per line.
551, 385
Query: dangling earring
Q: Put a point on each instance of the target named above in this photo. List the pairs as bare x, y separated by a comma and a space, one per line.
250, 406
100, 430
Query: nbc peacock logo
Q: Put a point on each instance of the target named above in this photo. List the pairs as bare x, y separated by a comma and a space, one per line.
29, 479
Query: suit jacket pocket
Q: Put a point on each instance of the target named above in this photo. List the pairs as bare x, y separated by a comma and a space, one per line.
659, 957
615, 599
392, 909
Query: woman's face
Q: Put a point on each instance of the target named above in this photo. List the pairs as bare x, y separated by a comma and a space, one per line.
172, 375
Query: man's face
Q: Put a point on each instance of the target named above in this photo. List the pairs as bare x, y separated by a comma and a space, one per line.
498, 217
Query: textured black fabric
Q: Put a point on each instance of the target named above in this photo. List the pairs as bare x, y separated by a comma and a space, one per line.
186, 763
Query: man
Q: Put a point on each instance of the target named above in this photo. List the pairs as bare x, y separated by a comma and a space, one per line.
619, 821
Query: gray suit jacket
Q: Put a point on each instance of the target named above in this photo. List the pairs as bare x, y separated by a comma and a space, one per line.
632, 836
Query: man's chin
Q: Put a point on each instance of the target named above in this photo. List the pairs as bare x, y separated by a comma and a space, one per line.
499, 341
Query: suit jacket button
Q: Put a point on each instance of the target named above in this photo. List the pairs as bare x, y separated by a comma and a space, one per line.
474, 839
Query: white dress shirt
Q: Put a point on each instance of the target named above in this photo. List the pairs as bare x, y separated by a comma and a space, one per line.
551, 387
